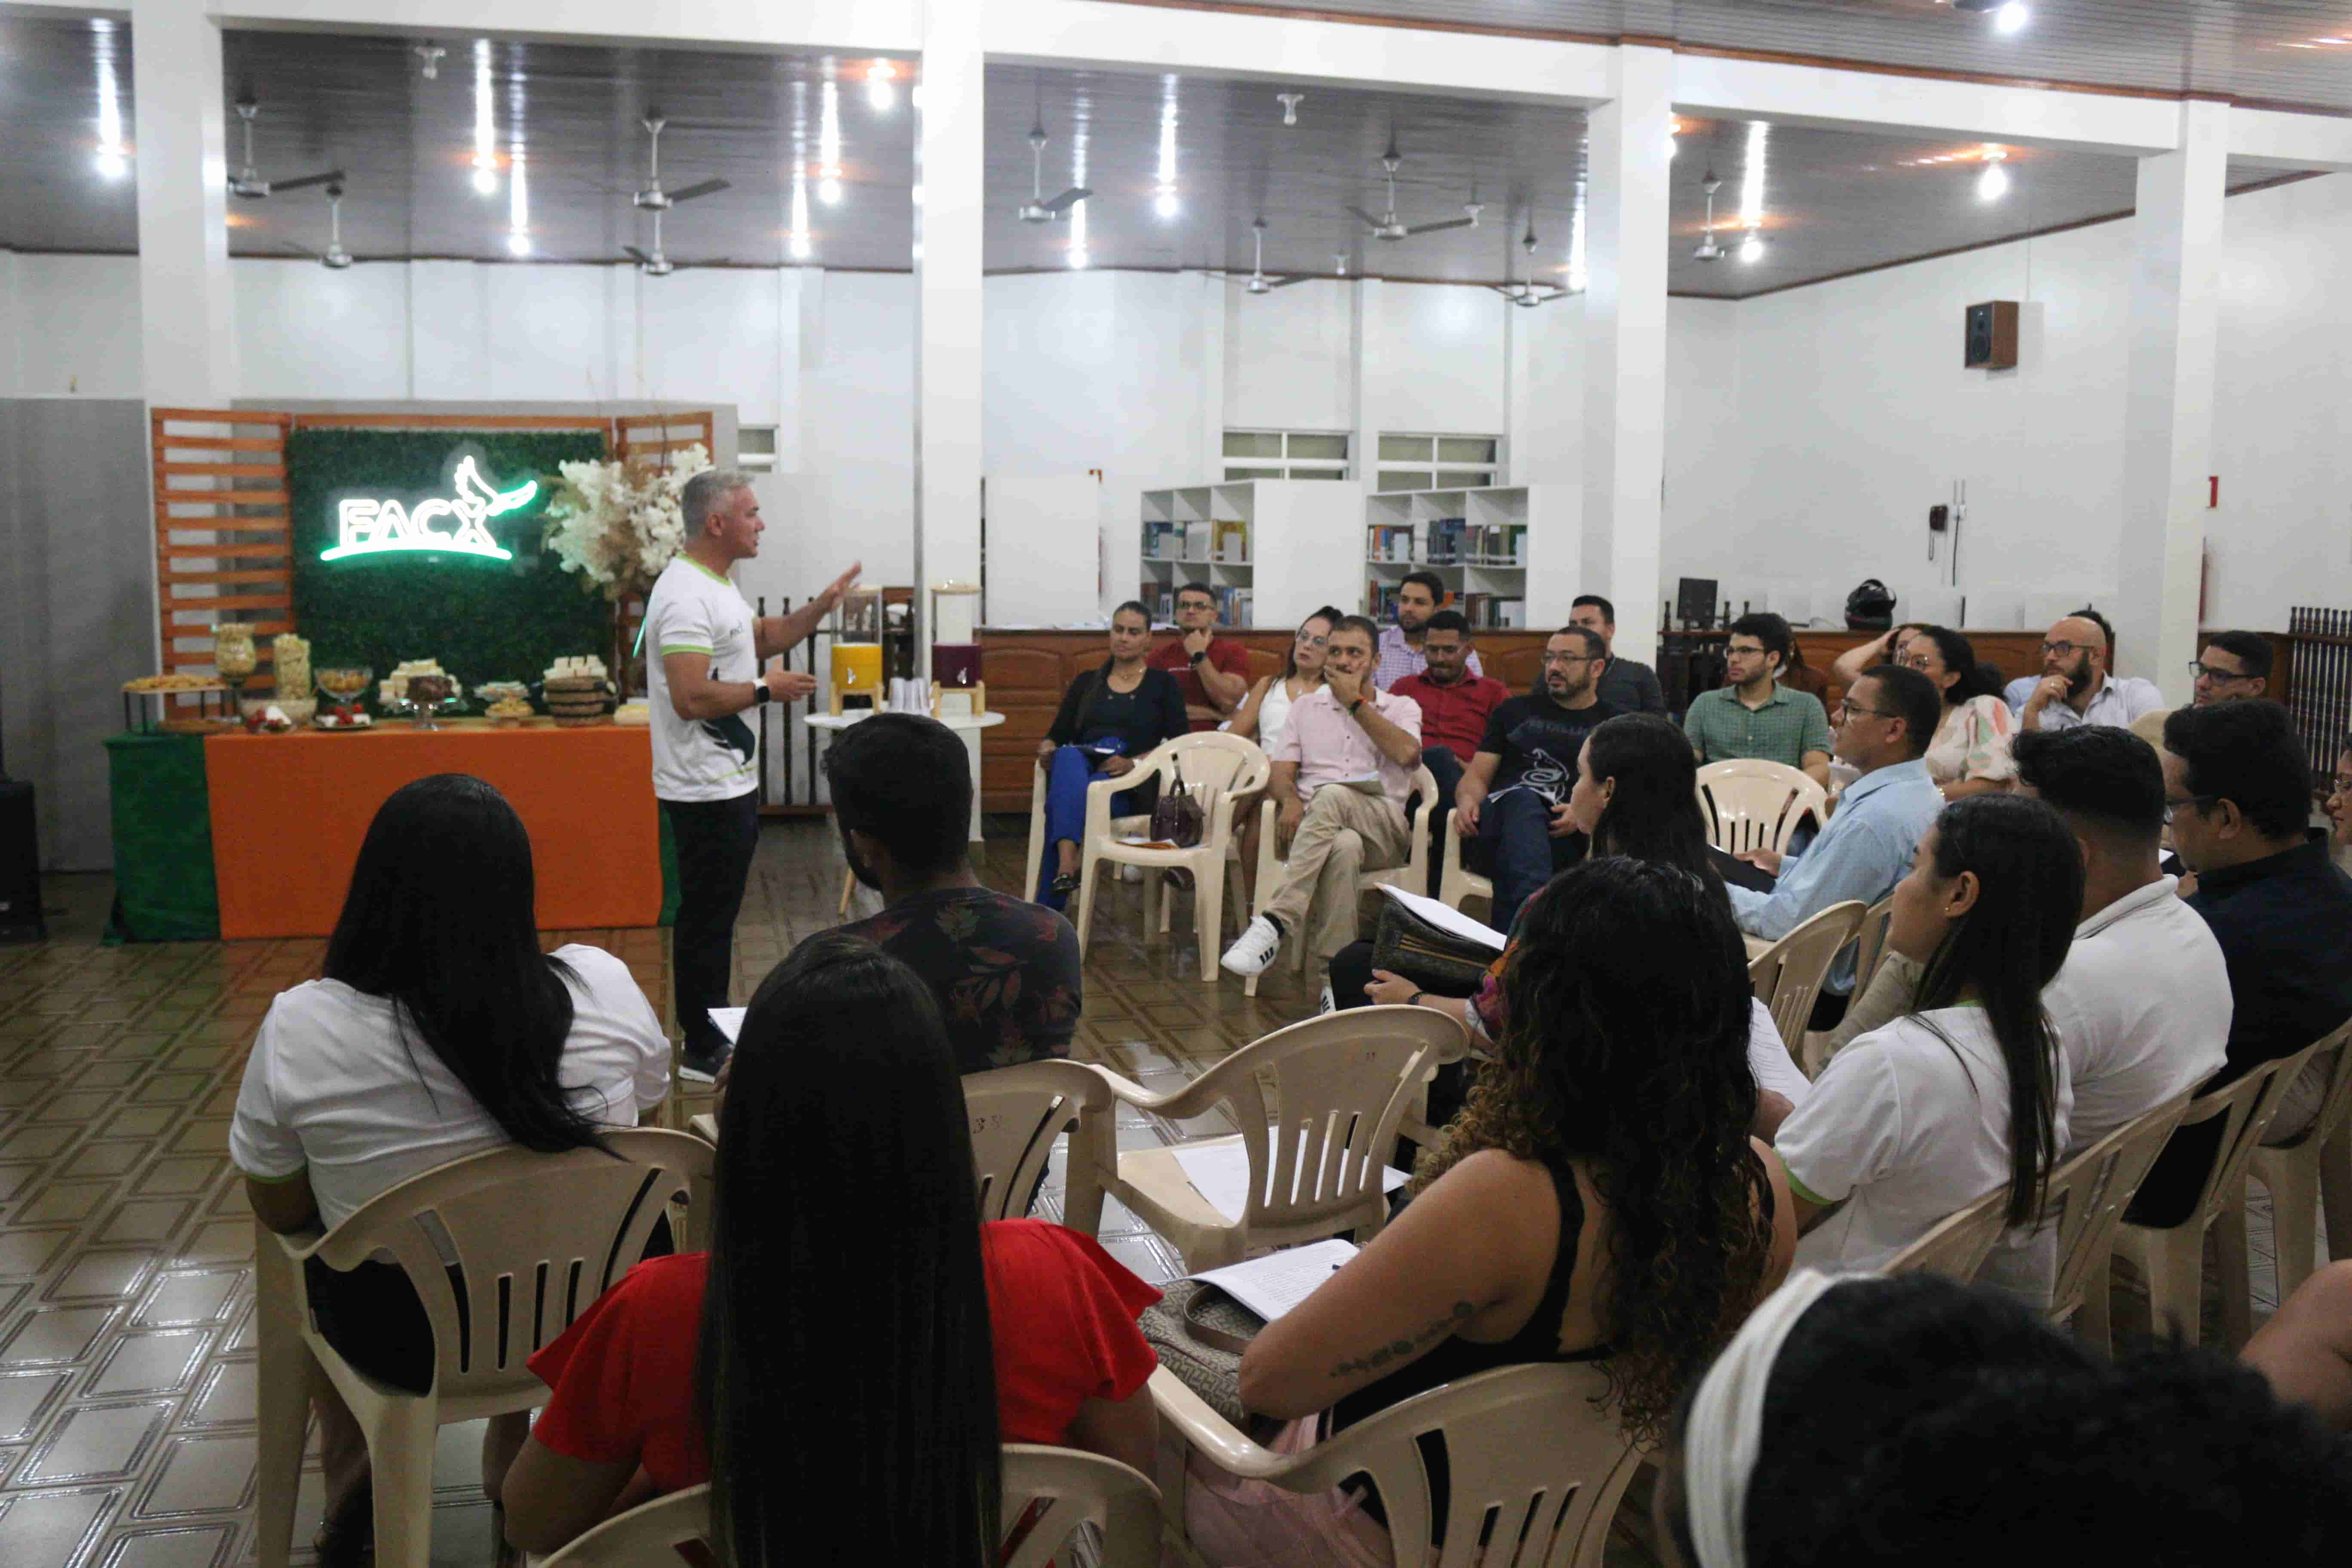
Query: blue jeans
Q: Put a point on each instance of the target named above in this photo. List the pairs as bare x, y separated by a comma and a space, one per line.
1517, 826
1066, 778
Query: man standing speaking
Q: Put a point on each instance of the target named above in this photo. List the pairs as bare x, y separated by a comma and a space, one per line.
709, 652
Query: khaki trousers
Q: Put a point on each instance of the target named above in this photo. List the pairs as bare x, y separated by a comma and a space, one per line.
1344, 833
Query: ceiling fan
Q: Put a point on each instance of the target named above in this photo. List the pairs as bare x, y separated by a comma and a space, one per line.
334, 258
653, 198
1707, 249
1527, 292
1257, 282
247, 182
1390, 227
1038, 209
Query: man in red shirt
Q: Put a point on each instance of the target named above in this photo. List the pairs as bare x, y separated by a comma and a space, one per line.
1454, 705
1212, 673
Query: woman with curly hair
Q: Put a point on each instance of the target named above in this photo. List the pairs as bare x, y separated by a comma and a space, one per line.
1599, 1198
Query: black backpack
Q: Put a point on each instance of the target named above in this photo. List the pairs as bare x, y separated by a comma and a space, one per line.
1870, 607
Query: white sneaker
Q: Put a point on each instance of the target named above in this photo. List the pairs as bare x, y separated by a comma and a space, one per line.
1254, 948
1330, 1003
1127, 873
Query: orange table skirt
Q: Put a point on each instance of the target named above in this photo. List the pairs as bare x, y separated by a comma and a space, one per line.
288, 813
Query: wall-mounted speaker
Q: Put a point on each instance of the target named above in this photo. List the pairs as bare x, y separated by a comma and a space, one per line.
1990, 339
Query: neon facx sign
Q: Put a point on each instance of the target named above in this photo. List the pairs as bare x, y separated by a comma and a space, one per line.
374, 526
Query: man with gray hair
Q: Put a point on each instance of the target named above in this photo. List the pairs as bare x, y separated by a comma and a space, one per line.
705, 671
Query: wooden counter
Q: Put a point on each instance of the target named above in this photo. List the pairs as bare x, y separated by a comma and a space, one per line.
1027, 672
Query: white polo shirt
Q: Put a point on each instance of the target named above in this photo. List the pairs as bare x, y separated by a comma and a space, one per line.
1908, 1129
692, 609
2142, 1008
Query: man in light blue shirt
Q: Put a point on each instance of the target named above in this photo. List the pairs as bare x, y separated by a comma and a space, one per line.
1884, 728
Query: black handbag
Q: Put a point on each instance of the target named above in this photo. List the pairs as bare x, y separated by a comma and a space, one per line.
1177, 817
1434, 957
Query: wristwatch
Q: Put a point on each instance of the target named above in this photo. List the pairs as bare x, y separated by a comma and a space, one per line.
1199, 657
760, 692
1414, 1000
1359, 702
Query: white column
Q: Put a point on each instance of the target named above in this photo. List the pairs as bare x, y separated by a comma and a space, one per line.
2168, 399
1625, 345
187, 331
947, 305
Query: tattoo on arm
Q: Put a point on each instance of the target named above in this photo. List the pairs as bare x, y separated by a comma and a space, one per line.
1401, 1350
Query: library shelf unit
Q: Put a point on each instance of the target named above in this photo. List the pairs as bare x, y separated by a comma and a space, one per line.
1273, 551
1508, 555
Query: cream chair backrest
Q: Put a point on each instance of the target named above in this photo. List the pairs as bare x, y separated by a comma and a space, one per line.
1534, 1467
1342, 1083
1078, 1489
2245, 1108
1870, 943
1016, 1114
536, 1238
2088, 1194
648, 1536
1750, 804
1787, 976
2335, 1102
1414, 874
1958, 1244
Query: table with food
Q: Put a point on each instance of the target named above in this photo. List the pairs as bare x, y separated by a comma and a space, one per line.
239, 814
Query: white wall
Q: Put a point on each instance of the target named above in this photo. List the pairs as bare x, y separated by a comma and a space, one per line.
1290, 359
76, 326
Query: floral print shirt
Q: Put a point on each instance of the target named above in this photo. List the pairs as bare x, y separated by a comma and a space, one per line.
1005, 971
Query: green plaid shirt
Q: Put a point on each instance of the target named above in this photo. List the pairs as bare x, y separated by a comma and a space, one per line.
1790, 724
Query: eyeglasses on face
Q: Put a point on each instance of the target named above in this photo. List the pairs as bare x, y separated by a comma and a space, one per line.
2201, 669
1309, 639
1848, 711
2060, 650
2172, 807
1551, 657
2344, 783
1753, 650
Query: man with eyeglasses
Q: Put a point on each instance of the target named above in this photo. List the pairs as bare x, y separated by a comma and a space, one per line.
1514, 794
1753, 715
2237, 791
1884, 729
2232, 667
2076, 687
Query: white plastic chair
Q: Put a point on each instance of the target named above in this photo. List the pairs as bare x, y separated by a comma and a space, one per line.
536, 1237
1958, 1244
2085, 1200
1412, 876
1534, 1466
1751, 803
1017, 1113
2315, 1168
1036, 850
1455, 882
1076, 1487
1787, 976
650, 1535
1343, 1082
1870, 942
1225, 766
2173, 1258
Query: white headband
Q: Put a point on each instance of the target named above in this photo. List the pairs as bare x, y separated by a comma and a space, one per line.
1727, 1420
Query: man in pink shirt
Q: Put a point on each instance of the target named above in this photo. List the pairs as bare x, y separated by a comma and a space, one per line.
1341, 772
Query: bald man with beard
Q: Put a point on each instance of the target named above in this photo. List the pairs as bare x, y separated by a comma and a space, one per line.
2076, 687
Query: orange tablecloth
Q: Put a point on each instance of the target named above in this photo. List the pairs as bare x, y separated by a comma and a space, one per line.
288, 813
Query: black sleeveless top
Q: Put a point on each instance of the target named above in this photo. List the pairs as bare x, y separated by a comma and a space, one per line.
1456, 1358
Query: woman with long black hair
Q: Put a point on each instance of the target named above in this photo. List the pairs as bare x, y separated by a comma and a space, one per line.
1969, 754
438, 1030
856, 1345
1968, 1092
1600, 1198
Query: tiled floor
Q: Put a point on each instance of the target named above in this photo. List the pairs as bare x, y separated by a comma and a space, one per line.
126, 1249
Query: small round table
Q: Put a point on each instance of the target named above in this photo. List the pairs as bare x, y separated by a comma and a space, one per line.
966, 725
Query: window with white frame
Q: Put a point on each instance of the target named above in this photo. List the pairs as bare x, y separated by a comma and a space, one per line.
1432, 462
1285, 455
755, 448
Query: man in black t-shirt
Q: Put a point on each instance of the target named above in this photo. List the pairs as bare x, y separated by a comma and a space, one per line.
1514, 793
1005, 971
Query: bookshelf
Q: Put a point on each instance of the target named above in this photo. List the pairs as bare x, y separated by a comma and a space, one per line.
1272, 551
1509, 554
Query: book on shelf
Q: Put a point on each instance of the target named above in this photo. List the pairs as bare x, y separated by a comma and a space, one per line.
1163, 541
1232, 541
1233, 606
1389, 541
1497, 544
1381, 600
1447, 540
1159, 600
1493, 611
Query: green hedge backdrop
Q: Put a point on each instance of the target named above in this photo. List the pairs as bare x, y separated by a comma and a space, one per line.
483, 619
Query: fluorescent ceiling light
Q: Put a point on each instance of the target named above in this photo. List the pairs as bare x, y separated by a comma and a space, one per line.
2010, 17
486, 131
1752, 247
1993, 184
879, 94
